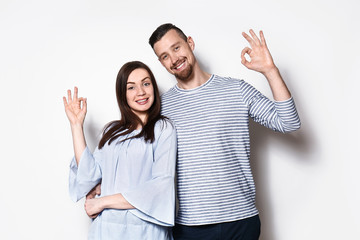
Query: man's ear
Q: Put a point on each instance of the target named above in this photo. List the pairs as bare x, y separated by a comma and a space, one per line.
191, 43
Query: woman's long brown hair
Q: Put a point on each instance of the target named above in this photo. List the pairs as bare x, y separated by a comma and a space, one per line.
129, 120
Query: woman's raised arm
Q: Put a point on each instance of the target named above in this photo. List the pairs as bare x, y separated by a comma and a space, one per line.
75, 109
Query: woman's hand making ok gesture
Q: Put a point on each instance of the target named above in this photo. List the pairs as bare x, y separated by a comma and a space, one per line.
75, 108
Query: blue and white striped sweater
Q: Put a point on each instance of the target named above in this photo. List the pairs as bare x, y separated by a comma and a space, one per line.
214, 179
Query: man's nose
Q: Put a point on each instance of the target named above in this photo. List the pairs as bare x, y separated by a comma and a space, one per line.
174, 58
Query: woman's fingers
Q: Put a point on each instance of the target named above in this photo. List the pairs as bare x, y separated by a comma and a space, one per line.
65, 102
74, 103
75, 93
84, 104
69, 95
74, 98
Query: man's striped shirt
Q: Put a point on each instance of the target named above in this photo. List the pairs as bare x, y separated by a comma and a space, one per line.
214, 179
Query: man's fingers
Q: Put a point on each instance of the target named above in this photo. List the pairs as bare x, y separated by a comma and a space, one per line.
245, 51
89, 196
262, 38
91, 215
248, 38
97, 189
256, 39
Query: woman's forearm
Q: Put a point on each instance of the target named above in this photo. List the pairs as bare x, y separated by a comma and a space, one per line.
79, 142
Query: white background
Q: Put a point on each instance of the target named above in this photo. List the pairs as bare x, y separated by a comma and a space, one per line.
307, 182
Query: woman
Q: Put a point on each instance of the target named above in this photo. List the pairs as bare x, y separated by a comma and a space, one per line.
135, 162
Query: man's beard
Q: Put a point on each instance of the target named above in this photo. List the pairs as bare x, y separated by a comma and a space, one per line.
185, 74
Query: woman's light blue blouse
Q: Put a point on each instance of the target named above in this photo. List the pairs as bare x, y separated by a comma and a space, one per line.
143, 173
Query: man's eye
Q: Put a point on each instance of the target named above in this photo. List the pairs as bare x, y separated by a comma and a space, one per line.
164, 57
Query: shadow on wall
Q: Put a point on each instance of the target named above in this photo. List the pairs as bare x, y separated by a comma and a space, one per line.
92, 132
301, 143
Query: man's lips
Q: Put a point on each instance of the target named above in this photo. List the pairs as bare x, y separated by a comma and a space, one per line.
178, 65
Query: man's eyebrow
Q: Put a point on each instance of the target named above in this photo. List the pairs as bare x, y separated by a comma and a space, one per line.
173, 45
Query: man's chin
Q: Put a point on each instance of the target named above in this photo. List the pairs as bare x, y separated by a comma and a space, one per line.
185, 75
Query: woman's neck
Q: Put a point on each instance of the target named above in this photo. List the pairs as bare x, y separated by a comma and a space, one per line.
143, 118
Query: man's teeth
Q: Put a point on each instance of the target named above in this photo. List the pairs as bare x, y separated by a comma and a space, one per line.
180, 66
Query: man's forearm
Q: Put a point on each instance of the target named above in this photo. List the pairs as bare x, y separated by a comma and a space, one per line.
116, 201
278, 87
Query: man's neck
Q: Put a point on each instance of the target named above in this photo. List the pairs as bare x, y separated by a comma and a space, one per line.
198, 78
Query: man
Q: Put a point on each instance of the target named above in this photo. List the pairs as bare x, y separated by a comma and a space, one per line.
215, 187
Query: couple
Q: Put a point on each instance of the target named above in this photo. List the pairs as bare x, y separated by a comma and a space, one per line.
136, 156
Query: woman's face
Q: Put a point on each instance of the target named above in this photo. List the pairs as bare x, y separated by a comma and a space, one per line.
139, 92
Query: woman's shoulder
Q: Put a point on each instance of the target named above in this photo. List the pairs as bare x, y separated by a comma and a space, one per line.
164, 126
165, 133
164, 123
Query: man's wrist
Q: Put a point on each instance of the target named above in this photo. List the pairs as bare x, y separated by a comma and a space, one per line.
272, 73
105, 202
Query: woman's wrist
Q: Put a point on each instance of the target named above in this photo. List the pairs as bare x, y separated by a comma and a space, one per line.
76, 126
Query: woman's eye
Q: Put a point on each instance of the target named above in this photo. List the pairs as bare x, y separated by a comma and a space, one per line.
147, 84
130, 88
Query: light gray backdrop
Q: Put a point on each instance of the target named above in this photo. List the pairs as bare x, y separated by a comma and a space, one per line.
307, 182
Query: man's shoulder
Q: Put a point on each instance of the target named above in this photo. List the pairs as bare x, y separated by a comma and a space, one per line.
170, 91
169, 94
228, 82
218, 78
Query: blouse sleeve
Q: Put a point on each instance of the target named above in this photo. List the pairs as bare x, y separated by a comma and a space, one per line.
86, 176
155, 199
279, 116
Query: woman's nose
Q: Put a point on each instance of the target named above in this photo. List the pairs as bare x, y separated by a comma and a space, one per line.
141, 91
